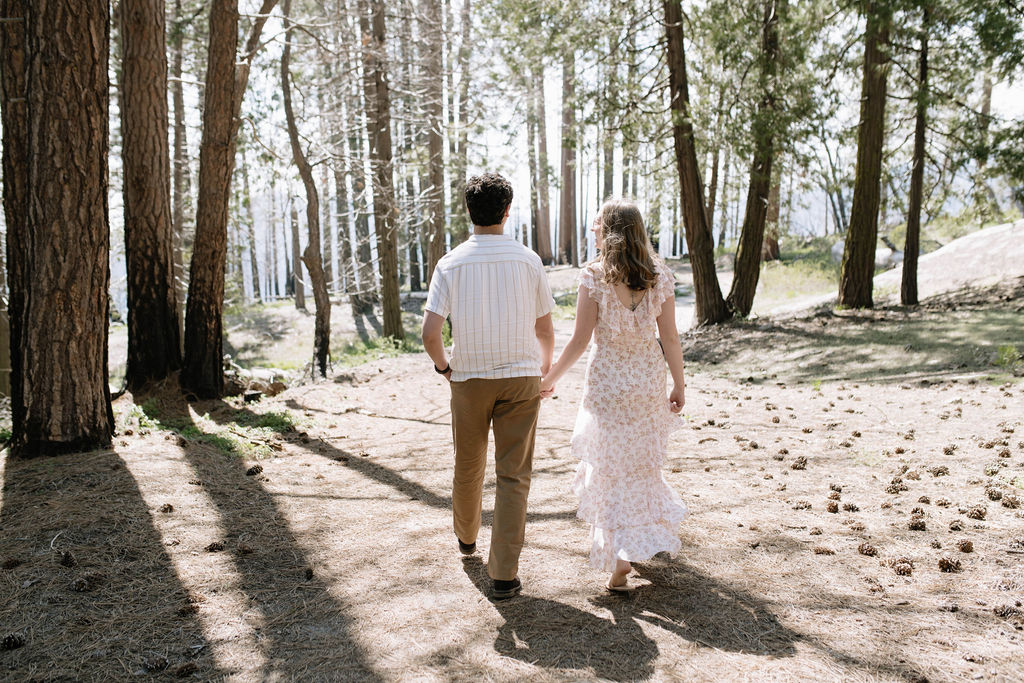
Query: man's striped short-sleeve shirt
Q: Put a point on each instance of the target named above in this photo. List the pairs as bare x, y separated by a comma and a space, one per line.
494, 289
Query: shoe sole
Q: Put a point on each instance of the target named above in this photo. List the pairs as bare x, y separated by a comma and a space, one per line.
506, 594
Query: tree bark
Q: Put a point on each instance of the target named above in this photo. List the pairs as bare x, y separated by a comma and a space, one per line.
311, 257
567, 205
531, 156
460, 133
203, 373
770, 246
710, 306
723, 224
908, 286
298, 284
58, 239
154, 344
859, 257
254, 269
378, 105
434, 110
543, 243
180, 170
748, 253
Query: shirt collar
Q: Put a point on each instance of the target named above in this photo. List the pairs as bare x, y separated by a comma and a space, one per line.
489, 238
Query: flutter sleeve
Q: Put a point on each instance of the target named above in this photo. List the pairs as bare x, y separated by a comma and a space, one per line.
665, 289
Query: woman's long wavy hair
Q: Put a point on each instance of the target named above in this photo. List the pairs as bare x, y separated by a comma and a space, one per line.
626, 253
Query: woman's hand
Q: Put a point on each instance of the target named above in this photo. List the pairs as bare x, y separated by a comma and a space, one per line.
677, 399
547, 386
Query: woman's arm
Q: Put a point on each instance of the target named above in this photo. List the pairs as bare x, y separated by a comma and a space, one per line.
673, 352
586, 319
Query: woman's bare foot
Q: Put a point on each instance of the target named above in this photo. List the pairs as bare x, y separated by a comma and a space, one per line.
622, 569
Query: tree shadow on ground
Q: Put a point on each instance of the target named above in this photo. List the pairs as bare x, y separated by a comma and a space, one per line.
86, 580
362, 320
553, 635
271, 326
307, 632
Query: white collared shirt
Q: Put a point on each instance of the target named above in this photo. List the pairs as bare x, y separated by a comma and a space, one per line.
494, 289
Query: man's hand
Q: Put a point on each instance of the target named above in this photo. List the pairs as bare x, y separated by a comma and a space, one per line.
547, 387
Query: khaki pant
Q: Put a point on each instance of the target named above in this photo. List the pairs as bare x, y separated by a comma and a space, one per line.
511, 405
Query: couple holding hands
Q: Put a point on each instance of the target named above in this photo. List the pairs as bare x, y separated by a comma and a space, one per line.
495, 292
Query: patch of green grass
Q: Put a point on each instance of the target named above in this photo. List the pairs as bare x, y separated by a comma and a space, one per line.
357, 352
565, 306
1007, 357
5, 435
805, 272
279, 422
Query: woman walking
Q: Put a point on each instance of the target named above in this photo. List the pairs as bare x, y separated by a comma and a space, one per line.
627, 303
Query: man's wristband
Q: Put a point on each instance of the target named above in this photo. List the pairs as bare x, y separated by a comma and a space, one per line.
443, 372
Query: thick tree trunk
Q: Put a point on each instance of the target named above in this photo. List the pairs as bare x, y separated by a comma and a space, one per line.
203, 373
859, 257
748, 253
567, 205
58, 239
378, 105
298, 283
710, 306
434, 110
311, 257
154, 344
908, 286
543, 244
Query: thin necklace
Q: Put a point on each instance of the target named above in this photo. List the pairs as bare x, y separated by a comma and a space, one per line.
632, 302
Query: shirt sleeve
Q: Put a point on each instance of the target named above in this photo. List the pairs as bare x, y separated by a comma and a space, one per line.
545, 302
438, 296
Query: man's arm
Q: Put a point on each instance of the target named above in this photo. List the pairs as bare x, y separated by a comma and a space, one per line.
545, 331
433, 343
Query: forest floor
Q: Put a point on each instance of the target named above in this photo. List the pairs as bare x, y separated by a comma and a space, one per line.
854, 480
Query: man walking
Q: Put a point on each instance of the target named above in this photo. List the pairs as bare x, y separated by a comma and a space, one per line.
496, 293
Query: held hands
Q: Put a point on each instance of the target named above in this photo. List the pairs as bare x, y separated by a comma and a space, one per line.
676, 399
547, 386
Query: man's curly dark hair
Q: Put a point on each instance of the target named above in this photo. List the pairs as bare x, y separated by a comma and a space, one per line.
487, 197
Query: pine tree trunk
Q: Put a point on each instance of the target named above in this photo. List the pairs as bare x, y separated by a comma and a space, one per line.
298, 283
908, 286
58, 239
378, 104
460, 133
716, 155
748, 253
180, 169
770, 246
203, 373
344, 222
531, 156
433, 105
543, 244
154, 344
567, 205
326, 228
254, 269
311, 257
710, 306
859, 257
723, 223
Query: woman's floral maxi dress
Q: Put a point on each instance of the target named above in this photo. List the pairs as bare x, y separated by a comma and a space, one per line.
622, 430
